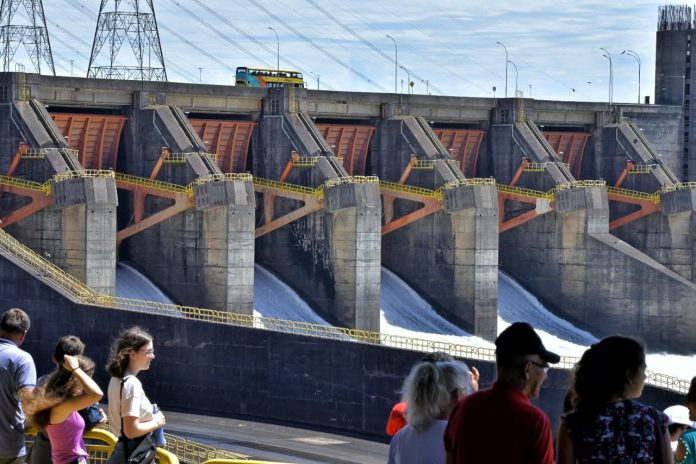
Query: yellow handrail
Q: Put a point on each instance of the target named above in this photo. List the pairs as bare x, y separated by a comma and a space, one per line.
61, 176
394, 187
155, 184
654, 197
245, 176
425, 164
86, 295
526, 192
26, 184
305, 161
316, 192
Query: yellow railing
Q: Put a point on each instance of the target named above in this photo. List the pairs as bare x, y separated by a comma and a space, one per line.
305, 161
679, 186
425, 164
642, 168
191, 452
301, 189
86, 295
61, 176
26, 184
155, 184
224, 176
351, 180
394, 187
466, 182
654, 197
526, 192
182, 157
40, 153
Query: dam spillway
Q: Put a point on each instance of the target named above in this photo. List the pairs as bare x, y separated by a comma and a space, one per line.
441, 190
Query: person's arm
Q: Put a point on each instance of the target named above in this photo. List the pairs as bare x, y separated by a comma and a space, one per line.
133, 427
667, 456
681, 451
565, 454
91, 392
475, 376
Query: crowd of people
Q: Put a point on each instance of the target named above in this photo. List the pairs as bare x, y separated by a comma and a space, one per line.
445, 418
62, 405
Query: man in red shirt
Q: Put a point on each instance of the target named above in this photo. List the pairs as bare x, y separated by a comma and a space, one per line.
500, 424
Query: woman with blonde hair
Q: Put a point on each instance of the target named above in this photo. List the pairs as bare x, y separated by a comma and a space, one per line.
67, 390
131, 412
431, 390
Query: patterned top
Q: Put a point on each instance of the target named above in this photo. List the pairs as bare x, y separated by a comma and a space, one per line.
688, 439
623, 432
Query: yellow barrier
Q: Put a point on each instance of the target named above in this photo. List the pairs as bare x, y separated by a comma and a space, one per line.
166, 457
155, 184
61, 176
305, 161
526, 192
86, 295
654, 197
192, 452
225, 176
394, 187
26, 184
274, 184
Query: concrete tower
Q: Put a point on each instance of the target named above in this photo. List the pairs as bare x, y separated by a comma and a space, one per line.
673, 51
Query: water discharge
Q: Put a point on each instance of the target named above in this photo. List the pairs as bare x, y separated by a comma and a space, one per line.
404, 312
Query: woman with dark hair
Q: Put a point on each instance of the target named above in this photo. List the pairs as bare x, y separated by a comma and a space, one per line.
607, 424
131, 413
67, 390
431, 390
686, 446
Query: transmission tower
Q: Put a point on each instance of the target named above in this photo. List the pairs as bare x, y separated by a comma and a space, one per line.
134, 21
34, 35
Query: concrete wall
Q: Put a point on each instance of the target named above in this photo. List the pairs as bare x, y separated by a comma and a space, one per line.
205, 255
229, 371
594, 279
450, 257
331, 257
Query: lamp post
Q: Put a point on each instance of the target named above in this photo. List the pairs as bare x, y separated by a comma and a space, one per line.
396, 60
634, 55
517, 75
607, 55
277, 48
200, 75
317, 76
506, 66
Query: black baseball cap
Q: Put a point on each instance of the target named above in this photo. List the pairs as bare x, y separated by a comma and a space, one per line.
520, 339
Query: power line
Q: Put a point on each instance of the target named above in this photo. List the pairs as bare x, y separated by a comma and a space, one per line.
315, 45
252, 38
368, 43
219, 33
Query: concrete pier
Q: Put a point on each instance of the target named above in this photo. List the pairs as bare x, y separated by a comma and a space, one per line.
204, 255
450, 257
331, 256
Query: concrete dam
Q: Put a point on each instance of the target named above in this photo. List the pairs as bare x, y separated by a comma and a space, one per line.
196, 183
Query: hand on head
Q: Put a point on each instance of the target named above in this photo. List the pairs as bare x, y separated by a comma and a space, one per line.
475, 375
70, 363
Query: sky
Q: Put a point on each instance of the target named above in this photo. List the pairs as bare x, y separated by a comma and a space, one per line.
447, 47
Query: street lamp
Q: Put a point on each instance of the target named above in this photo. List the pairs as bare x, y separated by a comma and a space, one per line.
634, 55
277, 48
506, 66
396, 60
317, 76
517, 75
607, 55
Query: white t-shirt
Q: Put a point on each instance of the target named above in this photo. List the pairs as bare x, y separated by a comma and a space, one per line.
411, 447
134, 404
